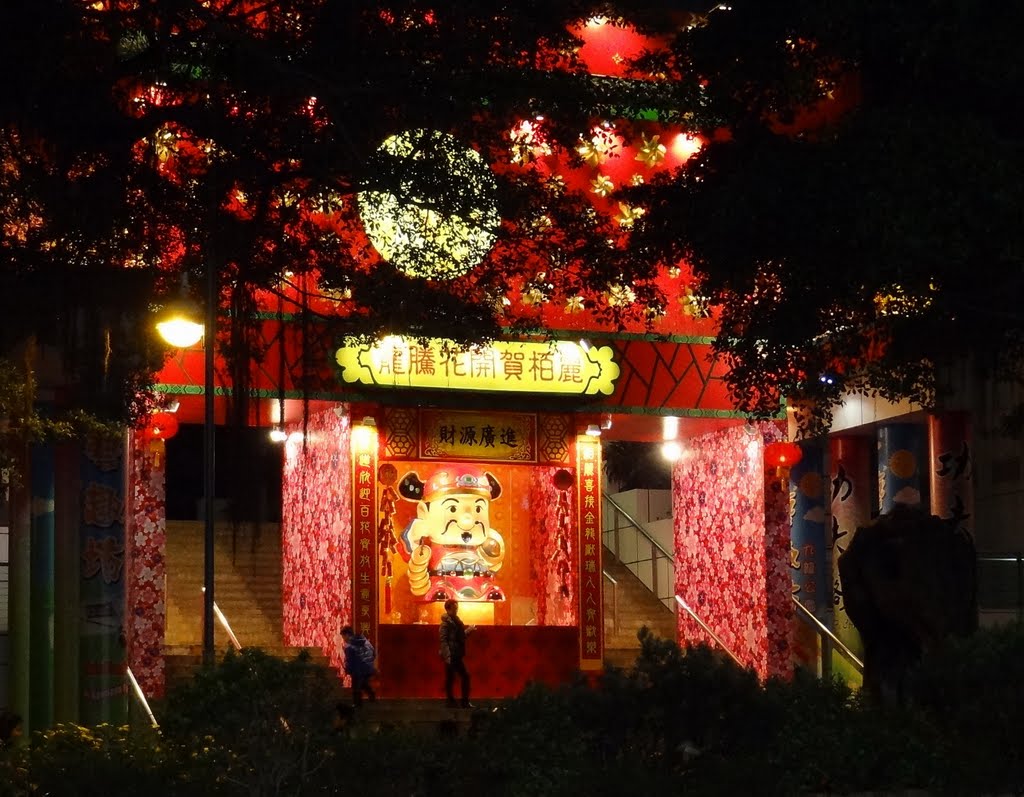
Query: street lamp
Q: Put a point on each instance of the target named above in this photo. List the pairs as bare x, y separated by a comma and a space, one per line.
180, 327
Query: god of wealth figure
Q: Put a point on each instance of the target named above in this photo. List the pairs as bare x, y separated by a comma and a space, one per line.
450, 547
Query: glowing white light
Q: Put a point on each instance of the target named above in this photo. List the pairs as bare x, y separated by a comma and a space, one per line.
180, 332
671, 450
684, 146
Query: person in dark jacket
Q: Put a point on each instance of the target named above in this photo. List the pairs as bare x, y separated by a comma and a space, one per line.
453, 652
359, 664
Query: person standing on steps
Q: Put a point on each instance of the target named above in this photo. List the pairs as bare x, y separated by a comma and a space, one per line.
453, 652
359, 664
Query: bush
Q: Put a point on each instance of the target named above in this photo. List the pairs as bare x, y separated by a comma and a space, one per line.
972, 694
681, 721
271, 718
102, 761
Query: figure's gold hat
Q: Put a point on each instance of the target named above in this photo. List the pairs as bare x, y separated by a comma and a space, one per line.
463, 481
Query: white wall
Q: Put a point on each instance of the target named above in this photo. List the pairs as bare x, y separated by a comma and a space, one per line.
652, 510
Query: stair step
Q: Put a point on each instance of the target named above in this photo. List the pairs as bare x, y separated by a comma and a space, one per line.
637, 607
247, 587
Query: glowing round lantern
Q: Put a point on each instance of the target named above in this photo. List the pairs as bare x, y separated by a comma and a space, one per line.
161, 426
782, 454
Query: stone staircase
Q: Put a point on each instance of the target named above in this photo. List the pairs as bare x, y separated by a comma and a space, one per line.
247, 589
431, 717
637, 607
248, 592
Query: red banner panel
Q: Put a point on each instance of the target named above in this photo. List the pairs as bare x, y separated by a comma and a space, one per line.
589, 485
364, 514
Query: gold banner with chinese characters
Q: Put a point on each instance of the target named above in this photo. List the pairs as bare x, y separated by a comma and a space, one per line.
561, 367
496, 437
588, 477
364, 530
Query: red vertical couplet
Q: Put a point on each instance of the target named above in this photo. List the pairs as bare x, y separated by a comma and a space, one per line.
364, 527
588, 477
951, 471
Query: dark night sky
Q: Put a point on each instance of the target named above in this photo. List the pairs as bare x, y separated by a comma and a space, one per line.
249, 467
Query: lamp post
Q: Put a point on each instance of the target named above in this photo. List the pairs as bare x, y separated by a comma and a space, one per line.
180, 328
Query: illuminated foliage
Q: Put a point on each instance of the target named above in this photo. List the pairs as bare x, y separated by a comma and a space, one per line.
871, 239
834, 185
165, 138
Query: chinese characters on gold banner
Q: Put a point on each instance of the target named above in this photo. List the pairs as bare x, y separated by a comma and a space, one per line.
447, 434
560, 367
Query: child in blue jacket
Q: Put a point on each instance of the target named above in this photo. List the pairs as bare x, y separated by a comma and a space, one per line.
359, 664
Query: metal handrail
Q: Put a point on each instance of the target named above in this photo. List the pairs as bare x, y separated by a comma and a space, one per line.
663, 592
671, 556
615, 600
985, 593
141, 697
224, 622
707, 630
836, 641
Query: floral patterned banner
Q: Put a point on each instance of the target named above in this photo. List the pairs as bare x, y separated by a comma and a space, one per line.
316, 532
732, 546
554, 545
591, 600
145, 548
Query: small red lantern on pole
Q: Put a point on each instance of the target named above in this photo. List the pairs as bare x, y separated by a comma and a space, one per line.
782, 454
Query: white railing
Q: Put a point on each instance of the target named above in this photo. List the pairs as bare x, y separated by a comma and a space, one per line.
644, 556
829, 641
707, 629
227, 627
141, 697
615, 600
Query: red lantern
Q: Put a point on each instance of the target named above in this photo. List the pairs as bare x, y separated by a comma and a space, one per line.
563, 480
161, 426
782, 454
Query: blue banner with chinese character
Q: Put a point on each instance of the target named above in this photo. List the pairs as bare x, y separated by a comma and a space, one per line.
104, 686
807, 552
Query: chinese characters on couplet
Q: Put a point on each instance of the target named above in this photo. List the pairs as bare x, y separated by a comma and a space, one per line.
590, 562
364, 505
801, 560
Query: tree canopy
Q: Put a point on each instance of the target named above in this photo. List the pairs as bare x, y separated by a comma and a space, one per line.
868, 250
853, 212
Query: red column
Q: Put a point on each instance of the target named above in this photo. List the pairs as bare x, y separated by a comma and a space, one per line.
951, 467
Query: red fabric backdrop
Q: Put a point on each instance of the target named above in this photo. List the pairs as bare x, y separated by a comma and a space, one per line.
501, 660
316, 532
732, 546
145, 563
